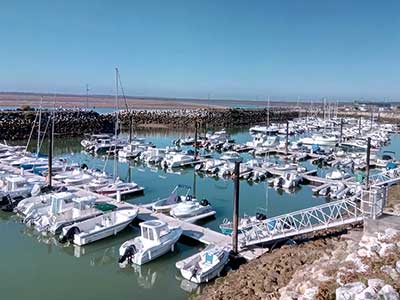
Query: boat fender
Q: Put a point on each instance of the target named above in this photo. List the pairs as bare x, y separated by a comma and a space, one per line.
204, 202
69, 236
129, 253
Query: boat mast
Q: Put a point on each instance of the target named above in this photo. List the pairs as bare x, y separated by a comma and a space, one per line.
268, 113
39, 124
116, 124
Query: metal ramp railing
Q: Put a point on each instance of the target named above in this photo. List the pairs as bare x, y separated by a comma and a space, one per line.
304, 221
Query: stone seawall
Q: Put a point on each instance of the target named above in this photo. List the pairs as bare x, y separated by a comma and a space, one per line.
211, 118
18, 124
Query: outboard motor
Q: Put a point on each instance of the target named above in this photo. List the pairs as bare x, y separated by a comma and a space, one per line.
280, 182
195, 270
84, 166
129, 253
204, 202
69, 236
261, 216
4, 199
198, 167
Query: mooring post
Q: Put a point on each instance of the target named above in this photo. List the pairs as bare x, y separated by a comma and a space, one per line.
235, 208
194, 184
287, 137
195, 140
50, 158
368, 160
341, 130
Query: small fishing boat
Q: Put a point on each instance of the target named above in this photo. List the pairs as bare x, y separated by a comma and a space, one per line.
174, 160
204, 266
288, 180
176, 197
15, 189
28, 206
156, 239
187, 141
123, 188
97, 228
231, 156
245, 222
191, 211
55, 220
337, 175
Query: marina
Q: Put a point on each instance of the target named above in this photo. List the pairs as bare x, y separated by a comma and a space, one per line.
283, 209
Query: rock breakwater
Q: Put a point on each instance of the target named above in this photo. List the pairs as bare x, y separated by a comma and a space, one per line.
18, 124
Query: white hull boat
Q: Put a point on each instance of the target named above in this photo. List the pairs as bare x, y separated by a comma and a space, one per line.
97, 228
166, 204
156, 239
191, 211
204, 266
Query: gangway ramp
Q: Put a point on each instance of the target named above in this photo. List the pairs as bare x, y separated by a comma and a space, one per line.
304, 221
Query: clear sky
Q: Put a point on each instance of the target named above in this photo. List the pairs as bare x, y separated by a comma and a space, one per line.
190, 48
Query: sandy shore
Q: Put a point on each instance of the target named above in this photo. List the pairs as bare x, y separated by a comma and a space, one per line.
70, 101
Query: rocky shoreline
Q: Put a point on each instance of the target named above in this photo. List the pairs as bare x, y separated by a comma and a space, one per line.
69, 123
353, 266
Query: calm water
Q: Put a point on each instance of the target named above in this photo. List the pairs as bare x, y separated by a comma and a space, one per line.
37, 267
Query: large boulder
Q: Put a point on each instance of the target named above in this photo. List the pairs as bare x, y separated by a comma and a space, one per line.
349, 291
388, 293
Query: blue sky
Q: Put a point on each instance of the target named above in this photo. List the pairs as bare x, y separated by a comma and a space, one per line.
339, 49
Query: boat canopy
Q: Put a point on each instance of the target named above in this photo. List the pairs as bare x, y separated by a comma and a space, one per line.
105, 206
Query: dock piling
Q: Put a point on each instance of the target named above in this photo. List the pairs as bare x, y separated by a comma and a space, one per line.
50, 158
235, 209
368, 160
287, 137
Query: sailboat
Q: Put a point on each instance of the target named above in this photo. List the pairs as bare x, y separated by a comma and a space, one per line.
118, 186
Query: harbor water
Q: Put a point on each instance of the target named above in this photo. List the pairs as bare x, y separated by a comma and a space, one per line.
37, 267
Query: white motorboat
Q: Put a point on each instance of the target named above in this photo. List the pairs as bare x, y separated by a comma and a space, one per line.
194, 210
187, 141
156, 239
245, 222
166, 204
288, 180
318, 139
204, 266
90, 140
218, 137
81, 209
268, 130
210, 166
78, 180
15, 189
97, 228
175, 160
231, 156
123, 188
27, 206
336, 175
